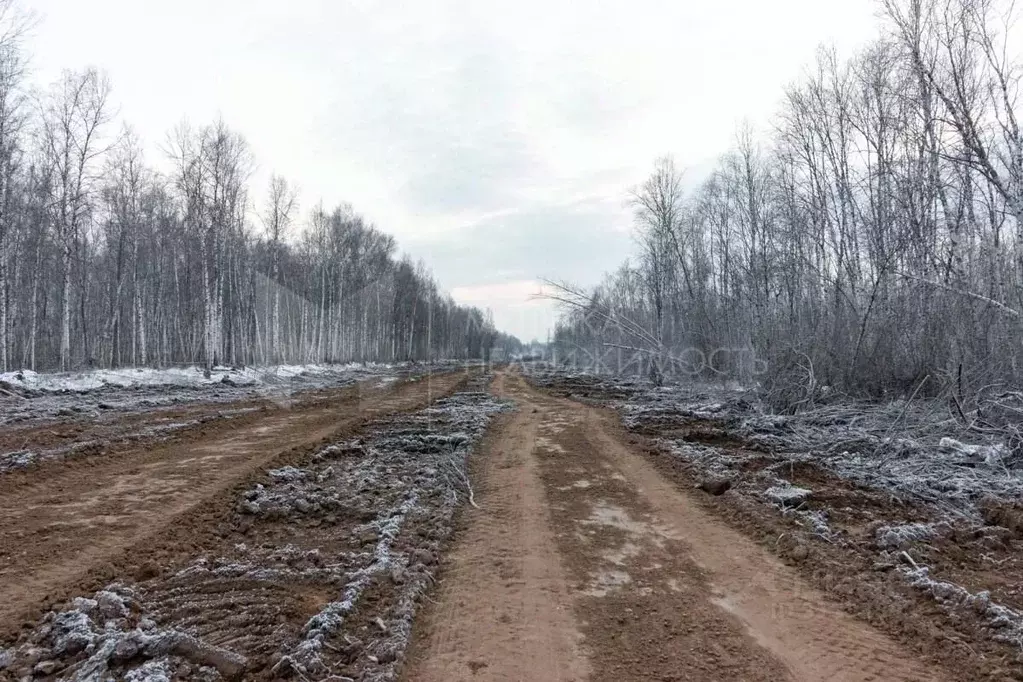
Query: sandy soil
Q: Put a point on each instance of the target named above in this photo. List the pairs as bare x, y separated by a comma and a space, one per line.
585, 562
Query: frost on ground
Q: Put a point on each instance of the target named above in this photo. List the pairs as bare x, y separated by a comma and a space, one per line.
125, 405
81, 382
27, 397
1004, 624
897, 447
96, 637
787, 495
886, 482
422, 458
318, 575
902, 535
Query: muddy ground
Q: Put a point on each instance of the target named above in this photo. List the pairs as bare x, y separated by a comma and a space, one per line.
237, 551
539, 525
916, 535
39, 426
585, 562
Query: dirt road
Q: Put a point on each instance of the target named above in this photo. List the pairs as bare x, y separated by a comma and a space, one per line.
68, 527
584, 563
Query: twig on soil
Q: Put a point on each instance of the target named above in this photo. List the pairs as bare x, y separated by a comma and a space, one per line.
956, 640
465, 481
905, 555
996, 562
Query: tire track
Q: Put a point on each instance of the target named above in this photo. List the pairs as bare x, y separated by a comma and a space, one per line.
810, 634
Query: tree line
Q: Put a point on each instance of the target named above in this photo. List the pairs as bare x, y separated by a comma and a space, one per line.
104, 261
872, 243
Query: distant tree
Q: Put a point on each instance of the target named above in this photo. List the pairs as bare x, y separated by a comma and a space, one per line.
282, 203
14, 23
74, 114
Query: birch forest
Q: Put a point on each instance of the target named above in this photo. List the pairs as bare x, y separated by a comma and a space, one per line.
872, 243
105, 261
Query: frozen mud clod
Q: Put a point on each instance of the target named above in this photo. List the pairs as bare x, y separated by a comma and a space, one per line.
787, 496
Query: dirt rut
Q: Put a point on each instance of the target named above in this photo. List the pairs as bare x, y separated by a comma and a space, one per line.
62, 526
585, 563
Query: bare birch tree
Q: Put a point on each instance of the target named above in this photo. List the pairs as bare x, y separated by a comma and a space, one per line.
282, 203
13, 114
74, 114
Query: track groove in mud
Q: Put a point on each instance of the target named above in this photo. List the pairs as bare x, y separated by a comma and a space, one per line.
917, 539
41, 427
314, 571
786, 616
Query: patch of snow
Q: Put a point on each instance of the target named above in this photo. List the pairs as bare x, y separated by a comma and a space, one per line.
79, 382
1005, 624
72, 631
157, 670
288, 473
897, 537
816, 519
76, 634
17, 460
709, 460
111, 605
787, 495
990, 455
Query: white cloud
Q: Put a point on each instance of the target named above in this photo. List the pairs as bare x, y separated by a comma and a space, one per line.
519, 306
457, 124
522, 293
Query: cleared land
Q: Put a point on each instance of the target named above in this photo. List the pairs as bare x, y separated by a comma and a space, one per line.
509, 526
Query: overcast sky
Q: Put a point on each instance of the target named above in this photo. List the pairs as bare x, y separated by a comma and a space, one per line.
497, 141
